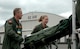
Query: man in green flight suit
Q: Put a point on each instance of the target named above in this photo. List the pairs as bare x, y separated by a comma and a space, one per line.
13, 31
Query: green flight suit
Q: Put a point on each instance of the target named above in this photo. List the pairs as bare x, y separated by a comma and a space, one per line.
13, 34
38, 28
35, 30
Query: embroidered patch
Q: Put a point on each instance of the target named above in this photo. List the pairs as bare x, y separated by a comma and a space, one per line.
19, 32
20, 26
10, 21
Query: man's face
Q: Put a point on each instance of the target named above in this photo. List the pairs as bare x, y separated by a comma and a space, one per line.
19, 14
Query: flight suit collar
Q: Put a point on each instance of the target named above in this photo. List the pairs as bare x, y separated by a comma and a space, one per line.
16, 21
42, 26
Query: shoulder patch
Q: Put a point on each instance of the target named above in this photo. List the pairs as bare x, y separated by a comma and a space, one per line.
10, 21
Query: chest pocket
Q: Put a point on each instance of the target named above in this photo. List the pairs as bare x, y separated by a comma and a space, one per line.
19, 30
14, 27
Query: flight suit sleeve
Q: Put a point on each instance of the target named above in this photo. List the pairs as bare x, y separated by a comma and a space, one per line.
11, 33
36, 29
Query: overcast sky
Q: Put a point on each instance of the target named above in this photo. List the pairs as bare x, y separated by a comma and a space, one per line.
60, 7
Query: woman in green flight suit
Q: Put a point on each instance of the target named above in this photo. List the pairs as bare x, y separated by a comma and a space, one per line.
44, 20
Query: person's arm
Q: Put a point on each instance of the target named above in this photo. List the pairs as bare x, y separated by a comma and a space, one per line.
36, 29
11, 33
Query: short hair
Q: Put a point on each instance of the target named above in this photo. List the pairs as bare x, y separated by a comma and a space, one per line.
16, 10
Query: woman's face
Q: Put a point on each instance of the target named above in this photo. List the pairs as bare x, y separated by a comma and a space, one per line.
45, 20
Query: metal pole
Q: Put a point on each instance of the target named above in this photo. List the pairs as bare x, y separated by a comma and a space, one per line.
73, 24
